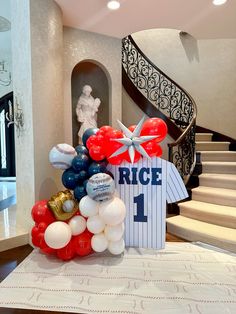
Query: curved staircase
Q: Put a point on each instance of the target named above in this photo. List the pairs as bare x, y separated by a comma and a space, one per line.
210, 216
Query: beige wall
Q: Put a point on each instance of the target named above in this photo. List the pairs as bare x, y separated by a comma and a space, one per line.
106, 51
37, 43
205, 68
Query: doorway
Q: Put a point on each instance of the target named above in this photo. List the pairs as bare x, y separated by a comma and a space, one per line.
7, 139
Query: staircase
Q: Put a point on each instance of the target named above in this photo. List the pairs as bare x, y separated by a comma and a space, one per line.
210, 216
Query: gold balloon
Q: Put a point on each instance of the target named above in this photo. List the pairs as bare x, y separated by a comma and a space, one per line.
56, 205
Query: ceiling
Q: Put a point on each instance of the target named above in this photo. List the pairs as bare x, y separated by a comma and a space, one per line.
200, 18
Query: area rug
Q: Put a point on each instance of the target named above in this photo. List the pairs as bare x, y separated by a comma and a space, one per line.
182, 278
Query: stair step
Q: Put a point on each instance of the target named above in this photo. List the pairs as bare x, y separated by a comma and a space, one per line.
212, 146
219, 167
203, 136
211, 213
218, 196
218, 156
195, 230
225, 181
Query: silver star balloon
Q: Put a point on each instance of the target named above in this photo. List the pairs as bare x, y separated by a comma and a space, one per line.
132, 141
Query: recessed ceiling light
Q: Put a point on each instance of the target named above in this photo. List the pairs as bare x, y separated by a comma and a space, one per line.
219, 2
113, 5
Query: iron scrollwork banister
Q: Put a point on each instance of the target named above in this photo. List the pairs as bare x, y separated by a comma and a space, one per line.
168, 97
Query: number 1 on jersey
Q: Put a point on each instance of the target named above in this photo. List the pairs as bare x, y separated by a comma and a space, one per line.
140, 217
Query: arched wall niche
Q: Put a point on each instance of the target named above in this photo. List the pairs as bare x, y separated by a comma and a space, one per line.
93, 73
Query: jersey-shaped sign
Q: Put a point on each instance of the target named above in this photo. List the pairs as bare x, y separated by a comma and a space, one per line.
145, 187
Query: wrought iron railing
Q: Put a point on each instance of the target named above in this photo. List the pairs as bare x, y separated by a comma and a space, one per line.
169, 98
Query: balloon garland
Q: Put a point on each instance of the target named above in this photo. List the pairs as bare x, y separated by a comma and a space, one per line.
88, 217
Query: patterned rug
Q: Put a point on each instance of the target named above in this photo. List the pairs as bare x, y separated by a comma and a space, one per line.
182, 278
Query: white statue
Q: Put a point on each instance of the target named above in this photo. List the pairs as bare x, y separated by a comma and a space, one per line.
86, 110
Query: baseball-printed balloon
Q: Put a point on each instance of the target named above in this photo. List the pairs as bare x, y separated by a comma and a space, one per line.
61, 156
101, 187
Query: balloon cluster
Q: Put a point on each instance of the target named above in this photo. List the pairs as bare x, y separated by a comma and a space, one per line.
78, 165
101, 144
68, 229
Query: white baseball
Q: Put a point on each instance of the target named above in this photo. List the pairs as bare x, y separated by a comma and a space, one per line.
99, 242
95, 224
88, 207
68, 206
61, 156
77, 225
57, 235
114, 233
100, 187
116, 247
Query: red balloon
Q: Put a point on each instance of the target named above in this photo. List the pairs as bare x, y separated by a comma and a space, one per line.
110, 145
151, 148
41, 213
105, 129
82, 243
67, 252
97, 153
159, 151
132, 127
155, 126
116, 161
92, 140
42, 226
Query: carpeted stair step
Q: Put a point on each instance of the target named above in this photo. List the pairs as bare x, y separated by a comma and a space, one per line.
218, 180
195, 230
211, 213
218, 156
218, 196
203, 136
219, 167
212, 146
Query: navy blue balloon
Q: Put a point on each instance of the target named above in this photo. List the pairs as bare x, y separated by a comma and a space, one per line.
79, 192
70, 179
81, 149
96, 167
82, 176
80, 162
88, 133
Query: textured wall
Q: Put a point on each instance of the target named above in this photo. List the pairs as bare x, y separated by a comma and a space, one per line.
205, 68
81, 45
22, 86
37, 43
47, 91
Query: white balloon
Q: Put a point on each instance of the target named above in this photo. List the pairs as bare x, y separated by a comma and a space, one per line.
95, 224
88, 207
68, 206
99, 242
113, 211
116, 247
77, 225
57, 235
114, 233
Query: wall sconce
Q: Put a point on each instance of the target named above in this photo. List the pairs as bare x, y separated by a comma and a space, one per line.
3, 70
16, 118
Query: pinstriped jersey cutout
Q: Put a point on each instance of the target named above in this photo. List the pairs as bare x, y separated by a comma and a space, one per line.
145, 187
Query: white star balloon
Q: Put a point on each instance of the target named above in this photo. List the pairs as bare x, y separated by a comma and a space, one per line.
132, 141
